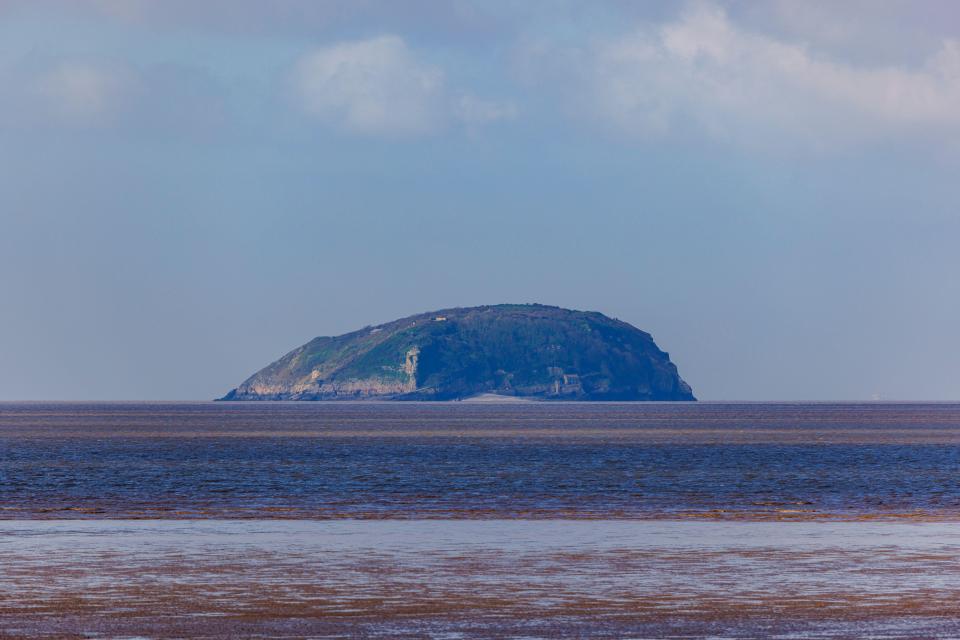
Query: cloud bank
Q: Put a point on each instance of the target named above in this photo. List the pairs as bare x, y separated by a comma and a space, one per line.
808, 73
703, 71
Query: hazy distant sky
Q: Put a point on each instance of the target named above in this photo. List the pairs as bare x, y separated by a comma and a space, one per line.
190, 189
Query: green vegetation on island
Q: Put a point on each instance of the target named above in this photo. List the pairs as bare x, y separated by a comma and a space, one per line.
526, 350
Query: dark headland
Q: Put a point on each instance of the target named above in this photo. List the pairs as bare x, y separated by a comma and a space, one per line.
520, 350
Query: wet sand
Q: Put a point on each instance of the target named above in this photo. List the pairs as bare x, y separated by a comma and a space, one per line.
494, 578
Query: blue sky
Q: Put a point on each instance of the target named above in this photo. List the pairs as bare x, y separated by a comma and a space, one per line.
189, 190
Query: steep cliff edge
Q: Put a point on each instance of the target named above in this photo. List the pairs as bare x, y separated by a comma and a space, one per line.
516, 350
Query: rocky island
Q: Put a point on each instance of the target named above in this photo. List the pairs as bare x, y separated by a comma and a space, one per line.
519, 350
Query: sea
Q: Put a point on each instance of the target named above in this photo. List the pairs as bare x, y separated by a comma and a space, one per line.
479, 520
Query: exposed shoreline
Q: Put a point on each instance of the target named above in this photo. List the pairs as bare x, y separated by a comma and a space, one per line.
416, 579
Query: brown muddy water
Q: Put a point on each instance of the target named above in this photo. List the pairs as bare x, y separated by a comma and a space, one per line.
388, 520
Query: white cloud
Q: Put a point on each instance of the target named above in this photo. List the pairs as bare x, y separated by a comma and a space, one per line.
703, 70
380, 87
372, 86
101, 94
80, 92
474, 111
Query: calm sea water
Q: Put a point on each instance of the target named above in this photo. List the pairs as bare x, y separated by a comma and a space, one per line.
462, 460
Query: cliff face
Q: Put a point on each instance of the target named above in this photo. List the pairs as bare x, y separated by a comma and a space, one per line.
517, 350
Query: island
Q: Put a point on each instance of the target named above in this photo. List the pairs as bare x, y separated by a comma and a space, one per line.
512, 350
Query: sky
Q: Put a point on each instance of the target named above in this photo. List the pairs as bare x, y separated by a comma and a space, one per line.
188, 190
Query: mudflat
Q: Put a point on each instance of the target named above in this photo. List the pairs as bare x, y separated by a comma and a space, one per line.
493, 578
